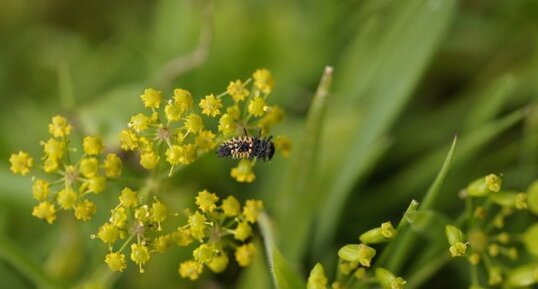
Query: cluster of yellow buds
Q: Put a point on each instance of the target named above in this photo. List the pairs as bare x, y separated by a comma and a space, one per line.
214, 228
174, 130
65, 183
486, 241
356, 259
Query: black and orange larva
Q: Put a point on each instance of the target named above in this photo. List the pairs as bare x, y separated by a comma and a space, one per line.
247, 147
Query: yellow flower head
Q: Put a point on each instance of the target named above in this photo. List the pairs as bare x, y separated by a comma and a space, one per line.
85, 210
96, 184
203, 254
149, 160
197, 225
256, 106
140, 255
67, 198
45, 211
182, 237
251, 210
283, 145
194, 123
190, 269
317, 278
158, 212
40, 190
243, 172
244, 254
54, 149
183, 98
93, 145
139, 122
231, 207
161, 243
205, 140
263, 80
116, 261
21, 163
142, 214
243, 231
89, 167
151, 98
108, 233
128, 140
227, 124
234, 111
59, 127
50, 165
210, 105
219, 263
112, 165
237, 90
206, 201
128, 198
118, 217
173, 111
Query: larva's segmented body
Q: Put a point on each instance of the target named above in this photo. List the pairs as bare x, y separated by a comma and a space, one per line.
247, 147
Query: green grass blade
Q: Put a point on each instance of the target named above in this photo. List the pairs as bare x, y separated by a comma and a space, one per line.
416, 29
296, 200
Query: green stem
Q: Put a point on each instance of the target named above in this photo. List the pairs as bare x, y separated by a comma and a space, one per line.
16, 257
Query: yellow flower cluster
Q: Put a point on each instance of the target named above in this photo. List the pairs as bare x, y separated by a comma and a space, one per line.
174, 131
216, 228
72, 182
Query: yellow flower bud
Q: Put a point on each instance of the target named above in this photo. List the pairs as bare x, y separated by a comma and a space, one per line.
317, 278
357, 253
190, 269
256, 106
149, 160
128, 140
116, 261
59, 127
243, 172
244, 254
67, 198
388, 280
242, 231
206, 201
89, 167
108, 233
92, 145
112, 165
151, 98
263, 80
128, 198
218, 263
251, 210
194, 123
183, 98
45, 211
40, 189
231, 207
21, 163
140, 255
237, 90
85, 210
203, 254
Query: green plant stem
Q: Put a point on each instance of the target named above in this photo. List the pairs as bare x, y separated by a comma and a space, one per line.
16, 257
425, 272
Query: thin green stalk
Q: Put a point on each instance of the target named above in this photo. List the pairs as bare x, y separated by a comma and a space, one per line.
16, 257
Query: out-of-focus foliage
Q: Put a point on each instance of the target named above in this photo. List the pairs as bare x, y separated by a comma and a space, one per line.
408, 76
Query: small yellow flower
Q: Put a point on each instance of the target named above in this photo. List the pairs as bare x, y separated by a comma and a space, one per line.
128, 198
493, 182
243, 172
263, 80
116, 261
283, 145
237, 90
388, 231
142, 214
89, 167
256, 106
243, 231
96, 184
227, 124
108, 233
234, 111
244, 254
161, 243
149, 160
251, 210
45, 211
193, 123
205, 140
112, 165
219, 263
140, 255
210, 105
118, 217
93, 145
128, 140
67, 198
21, 163
203, 254
85, 210
50, 165
197, 225
139, 122
206, 201
183, 98
231, 207
190, 269
173, 111
181, 154
59, 127
458, 249
158, 212
182, 237
151, 98
54, 149
40, 189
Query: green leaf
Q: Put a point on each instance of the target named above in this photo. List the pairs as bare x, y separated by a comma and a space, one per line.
297, 201
384, 78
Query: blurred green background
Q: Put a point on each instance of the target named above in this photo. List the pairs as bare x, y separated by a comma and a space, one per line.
408, 76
